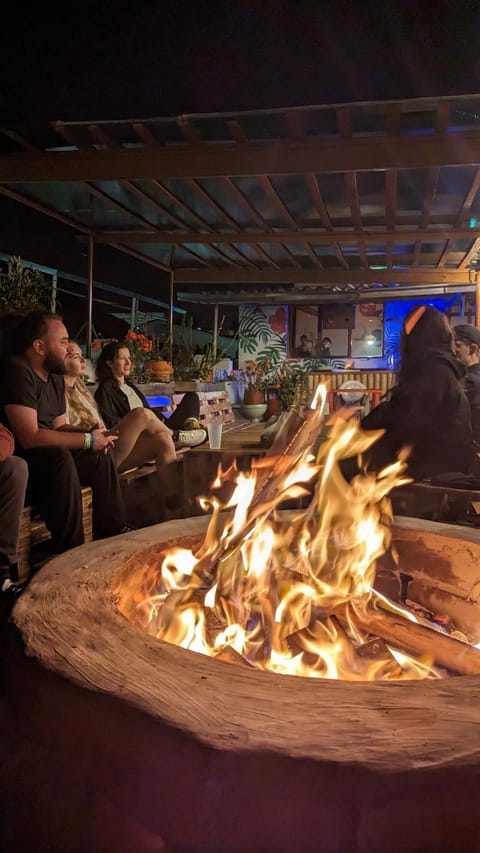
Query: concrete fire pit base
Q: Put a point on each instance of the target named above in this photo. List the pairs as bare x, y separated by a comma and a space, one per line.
118, 742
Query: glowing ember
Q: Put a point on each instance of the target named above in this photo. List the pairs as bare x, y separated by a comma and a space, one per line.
280, 591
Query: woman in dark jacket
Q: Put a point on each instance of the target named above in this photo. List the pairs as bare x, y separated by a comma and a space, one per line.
428, 410
116, 395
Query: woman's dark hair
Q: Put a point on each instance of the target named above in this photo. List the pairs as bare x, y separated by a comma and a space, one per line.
103, 370
424, 331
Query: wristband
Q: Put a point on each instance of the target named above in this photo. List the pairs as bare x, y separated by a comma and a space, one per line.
88, 440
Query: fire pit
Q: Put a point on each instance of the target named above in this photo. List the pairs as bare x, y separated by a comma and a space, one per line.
122, 741
124, 730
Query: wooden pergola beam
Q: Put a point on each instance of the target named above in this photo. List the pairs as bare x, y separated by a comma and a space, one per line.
219, 160
334, 276
319, 238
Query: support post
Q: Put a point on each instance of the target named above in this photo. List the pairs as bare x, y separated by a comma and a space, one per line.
90, 297
133, 321
170, 321
477, 300
215, 330
53, 300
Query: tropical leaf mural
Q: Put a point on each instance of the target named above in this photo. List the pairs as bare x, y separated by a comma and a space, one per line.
262, 333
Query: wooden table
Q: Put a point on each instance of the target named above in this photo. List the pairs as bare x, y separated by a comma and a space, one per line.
240, 442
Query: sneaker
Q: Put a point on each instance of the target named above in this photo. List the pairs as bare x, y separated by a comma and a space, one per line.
192, 423
190, 437
12, 588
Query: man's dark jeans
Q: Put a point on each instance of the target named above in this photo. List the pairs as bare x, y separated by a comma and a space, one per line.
56, 477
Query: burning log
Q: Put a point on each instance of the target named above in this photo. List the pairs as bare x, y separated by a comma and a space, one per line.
417, 639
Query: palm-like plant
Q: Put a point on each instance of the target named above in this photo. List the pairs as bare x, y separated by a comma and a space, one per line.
23, 289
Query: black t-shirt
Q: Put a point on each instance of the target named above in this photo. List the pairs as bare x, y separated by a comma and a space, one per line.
21, 386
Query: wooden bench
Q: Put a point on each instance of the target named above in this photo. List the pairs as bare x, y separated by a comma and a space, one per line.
33, 531
438, 503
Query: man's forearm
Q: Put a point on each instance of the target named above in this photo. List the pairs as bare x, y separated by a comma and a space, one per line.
53, 438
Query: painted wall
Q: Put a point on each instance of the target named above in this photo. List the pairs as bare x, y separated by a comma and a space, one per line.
264, 332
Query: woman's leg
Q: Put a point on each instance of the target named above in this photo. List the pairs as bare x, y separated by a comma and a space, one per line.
142, 436
188, 407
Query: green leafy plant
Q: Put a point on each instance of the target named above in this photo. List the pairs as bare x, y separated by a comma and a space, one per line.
289, 378
23, 289
186, 365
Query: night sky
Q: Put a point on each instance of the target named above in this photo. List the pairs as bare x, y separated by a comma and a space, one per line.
141, 59
111, 60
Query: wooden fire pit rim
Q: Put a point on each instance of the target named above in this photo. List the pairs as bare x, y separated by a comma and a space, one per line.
69, 624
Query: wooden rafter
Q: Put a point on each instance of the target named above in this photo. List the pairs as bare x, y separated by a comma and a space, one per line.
145, 134
312, 254
468, 200
282, 211
236, 131
203, 193
261, 251
67, 134
127, 211
244, 202
320, 238
389, 254
290, 255
328, 277
474, 250
296, 128
393, 116
431, 188
100, 135
188, 130
314, 189
390, 198
194, 254
19, 139
47, 211
344, 121
139, 257
271, 158
444, 256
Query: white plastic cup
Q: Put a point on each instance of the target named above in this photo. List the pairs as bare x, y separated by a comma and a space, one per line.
215, 435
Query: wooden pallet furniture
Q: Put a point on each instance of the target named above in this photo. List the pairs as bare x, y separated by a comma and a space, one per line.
33, 531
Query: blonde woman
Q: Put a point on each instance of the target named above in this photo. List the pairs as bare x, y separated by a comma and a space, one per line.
141, 435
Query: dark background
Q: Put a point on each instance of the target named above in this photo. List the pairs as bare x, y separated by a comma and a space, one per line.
112, 60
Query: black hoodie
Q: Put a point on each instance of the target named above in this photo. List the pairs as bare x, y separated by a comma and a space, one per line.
428, 411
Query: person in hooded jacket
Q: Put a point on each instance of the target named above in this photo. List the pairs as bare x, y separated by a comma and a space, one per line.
428, 410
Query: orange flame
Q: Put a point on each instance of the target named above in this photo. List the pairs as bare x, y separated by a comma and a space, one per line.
280, 589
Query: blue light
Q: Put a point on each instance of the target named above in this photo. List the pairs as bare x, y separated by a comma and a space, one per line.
472, 222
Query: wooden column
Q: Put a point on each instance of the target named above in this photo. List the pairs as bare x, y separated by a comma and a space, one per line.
477, 301
89, 297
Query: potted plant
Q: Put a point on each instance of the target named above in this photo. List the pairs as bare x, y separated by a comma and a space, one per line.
139, 346
21, 290
254, 379
290, 382
158, 366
